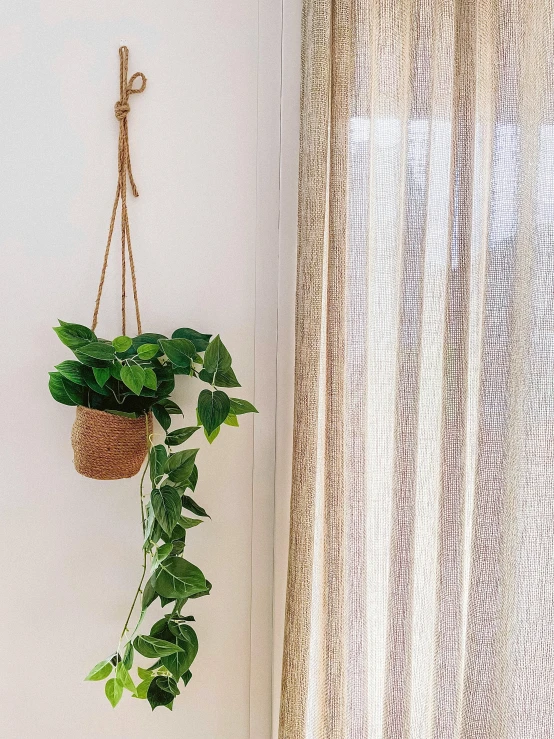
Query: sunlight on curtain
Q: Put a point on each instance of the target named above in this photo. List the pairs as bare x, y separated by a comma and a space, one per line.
421, 576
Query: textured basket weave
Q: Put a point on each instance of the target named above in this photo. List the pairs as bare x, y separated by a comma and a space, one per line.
108, 447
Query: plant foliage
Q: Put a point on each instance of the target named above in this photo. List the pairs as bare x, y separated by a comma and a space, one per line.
129, 377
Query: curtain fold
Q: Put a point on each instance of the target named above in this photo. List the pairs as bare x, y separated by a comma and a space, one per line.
420, 599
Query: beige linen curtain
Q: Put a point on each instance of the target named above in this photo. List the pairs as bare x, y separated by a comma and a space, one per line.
421, 576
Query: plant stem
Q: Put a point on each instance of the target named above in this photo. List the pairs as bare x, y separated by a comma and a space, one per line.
139, 590
144, 558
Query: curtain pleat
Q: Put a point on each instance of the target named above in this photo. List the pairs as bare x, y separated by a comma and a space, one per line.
420, 599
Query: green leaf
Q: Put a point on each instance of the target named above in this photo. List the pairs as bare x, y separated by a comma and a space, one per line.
166, 503
142, 688
150, 646
171, 407
177, 547
213, 436
187, 677
115, 370
147, 338
88, 374
114, 691
123, 677
193, 479
100, 671
150, 379
192, 506
74, 335
179, 436
178, 578
188, 523
239, 407
162, 553
213, 409
57, 390
226, 378
101, 375
149, 594
77, 393
158, 457
231, 420
157, 695
161, 416
72, 370
178, 351
168, 684
128, 655
133, 378
122, 343
204, 592
200, 341
179, 663
144, 674
98, 350
179, 466
148, 351
216, 358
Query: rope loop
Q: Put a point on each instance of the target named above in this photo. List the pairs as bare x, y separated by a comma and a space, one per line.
125, 172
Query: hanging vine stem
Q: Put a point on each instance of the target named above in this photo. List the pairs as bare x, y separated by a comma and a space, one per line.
145, 555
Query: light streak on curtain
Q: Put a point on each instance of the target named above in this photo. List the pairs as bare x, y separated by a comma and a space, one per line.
420, 597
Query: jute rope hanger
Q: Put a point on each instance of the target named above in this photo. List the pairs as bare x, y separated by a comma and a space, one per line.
124, 170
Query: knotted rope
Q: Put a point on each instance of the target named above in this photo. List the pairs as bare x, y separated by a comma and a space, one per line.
122, 109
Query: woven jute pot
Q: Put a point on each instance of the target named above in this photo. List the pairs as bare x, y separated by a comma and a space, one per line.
108, 447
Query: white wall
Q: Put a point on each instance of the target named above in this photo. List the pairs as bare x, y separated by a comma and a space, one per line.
205, 149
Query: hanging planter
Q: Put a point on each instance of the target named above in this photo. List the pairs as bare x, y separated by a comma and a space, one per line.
109, 447
118, 388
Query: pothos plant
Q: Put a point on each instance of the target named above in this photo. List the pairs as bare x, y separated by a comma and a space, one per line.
129, 377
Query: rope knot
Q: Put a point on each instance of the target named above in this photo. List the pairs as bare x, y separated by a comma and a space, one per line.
121, 110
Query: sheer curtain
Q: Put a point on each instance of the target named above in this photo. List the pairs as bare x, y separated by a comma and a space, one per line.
421, 575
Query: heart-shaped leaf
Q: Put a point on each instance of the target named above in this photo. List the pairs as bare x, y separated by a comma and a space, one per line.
178, 351
74, 335
179, 436
216, 358
57, 390
178, 578
122, 343
158, 693
150, 379
133, 378
192, 506
161, 416
114, 691
179, 466
213, 409
122, 676
101, 375
128, 655
166, 503
100, 671
200, 341
158, 457
151, 647
239, 406
148, 351
98, 350
72, 370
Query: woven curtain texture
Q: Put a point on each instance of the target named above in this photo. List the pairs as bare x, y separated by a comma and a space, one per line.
420, 597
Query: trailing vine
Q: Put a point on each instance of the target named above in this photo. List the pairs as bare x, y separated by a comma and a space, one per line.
131, 377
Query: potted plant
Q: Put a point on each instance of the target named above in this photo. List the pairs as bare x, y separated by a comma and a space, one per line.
117, 387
